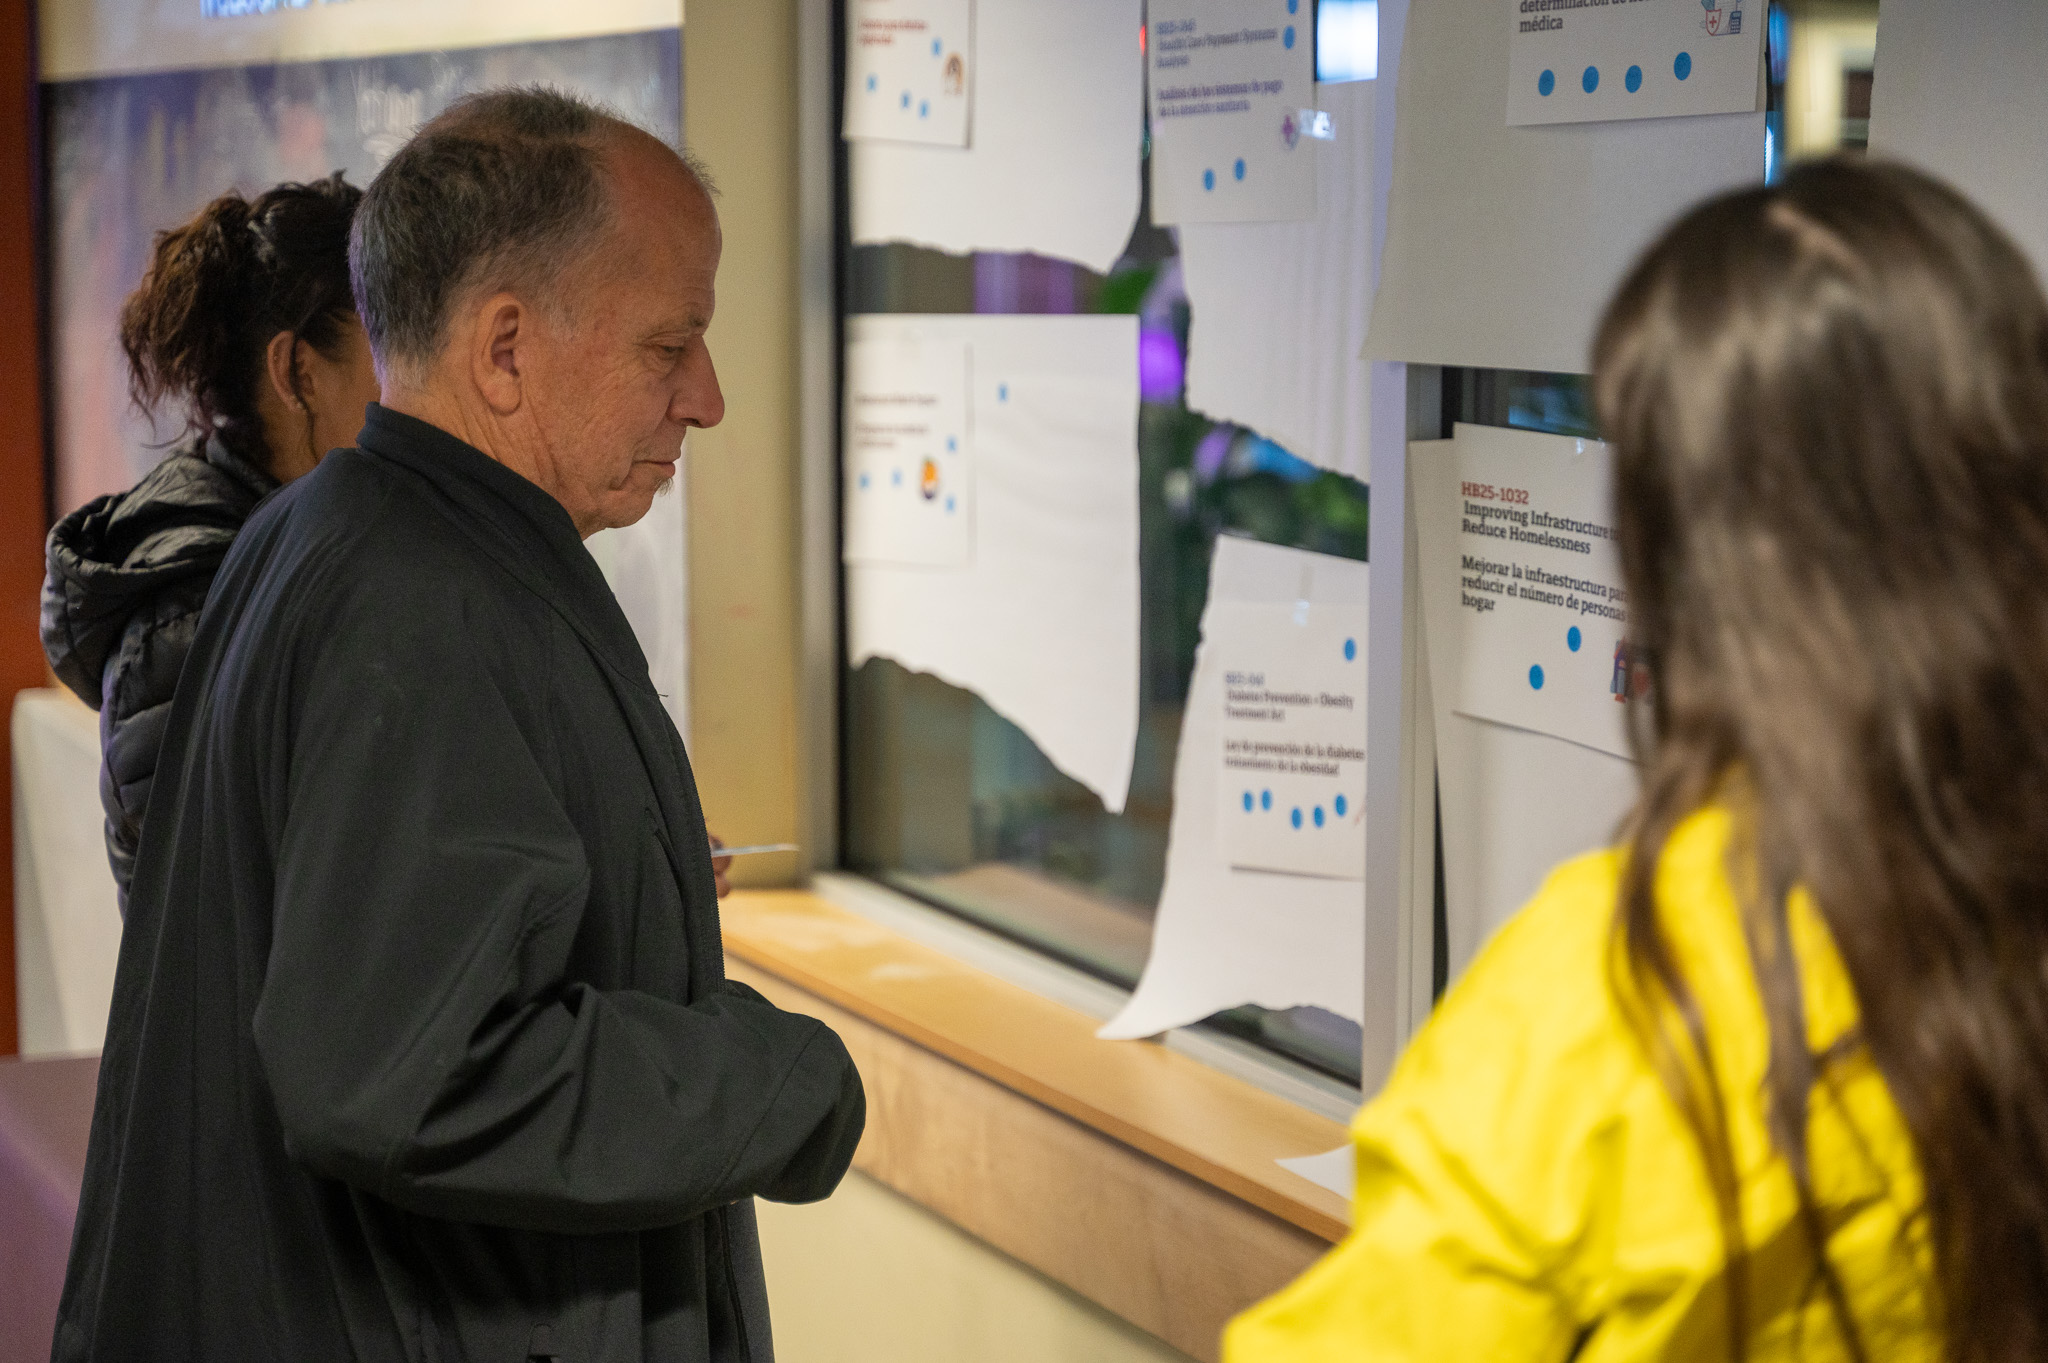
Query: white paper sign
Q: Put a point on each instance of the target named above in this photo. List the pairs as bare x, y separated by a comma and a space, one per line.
1229, 81
1225, 936
1293, 783
909, 70
1059, 124
1541, 608
1514, 803
908, 475
1043, 621
1589, 61
1278, 310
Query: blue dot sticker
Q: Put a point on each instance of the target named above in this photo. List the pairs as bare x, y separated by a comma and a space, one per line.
1296, 817
924, 108
1634, 79
1208, 179
1319, 816
1293, 5
1572, 638
1002, 392
1351, 650
1342, 805
863, 480
935, 47
871, 84
1545, 83
949, 504
1238, 169
1287, 38
1265, 799
895, 477
1247, 802
1536, 677
906, 99
1683, 66
952, 444
1591, 80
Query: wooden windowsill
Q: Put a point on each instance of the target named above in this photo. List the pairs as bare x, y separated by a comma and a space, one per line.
1207, 1124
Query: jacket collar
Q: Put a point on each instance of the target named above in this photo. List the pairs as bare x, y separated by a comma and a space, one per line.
524, 529
215, 451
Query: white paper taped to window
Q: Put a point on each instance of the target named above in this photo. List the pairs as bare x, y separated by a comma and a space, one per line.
1503, 244
1571, 62
1042, 621
1278, 311
1514, 802
1057, 126
1542, 617
909, 70
1960, 92
1225, 936
1228, 79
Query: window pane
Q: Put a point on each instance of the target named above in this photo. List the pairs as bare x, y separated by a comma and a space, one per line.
947, 800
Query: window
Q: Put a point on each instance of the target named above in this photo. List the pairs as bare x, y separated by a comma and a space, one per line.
946, 800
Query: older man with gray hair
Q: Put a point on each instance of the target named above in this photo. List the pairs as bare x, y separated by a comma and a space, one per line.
421, 1045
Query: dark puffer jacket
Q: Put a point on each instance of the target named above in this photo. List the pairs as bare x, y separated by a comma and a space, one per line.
125, 579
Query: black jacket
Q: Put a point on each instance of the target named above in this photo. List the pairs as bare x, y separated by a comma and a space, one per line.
125, 577
421, 1046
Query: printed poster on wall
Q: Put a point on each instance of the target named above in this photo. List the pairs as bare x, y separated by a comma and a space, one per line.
910, 71
1589, 61
1233, 90
1542, 614
1293, 783
908, 488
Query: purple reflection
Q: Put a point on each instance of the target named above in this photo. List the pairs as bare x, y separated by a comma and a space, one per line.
1159, 365
1210, 454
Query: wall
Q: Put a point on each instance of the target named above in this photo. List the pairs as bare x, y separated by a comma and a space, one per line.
105, 37
739, 115
21, 454
871, 1277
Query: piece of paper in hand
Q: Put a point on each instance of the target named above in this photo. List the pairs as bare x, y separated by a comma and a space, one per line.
909, 482
1058, 128
1223, 936
1278, 310
1042, 623
1515, 803
910, 70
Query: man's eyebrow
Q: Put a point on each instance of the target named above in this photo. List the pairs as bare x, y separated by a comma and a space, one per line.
687, 325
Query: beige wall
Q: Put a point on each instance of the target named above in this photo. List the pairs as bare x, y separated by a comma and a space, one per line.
871, 1277
739, 114
102, 37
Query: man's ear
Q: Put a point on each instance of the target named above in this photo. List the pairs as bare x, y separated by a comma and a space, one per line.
280, 358
502, 332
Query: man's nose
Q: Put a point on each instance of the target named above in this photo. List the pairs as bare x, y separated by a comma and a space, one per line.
698, 401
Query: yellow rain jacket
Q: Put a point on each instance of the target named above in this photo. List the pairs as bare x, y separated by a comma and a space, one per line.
1527, 1187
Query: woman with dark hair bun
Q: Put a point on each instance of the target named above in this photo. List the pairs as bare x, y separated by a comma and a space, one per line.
245, 330
1769, 1079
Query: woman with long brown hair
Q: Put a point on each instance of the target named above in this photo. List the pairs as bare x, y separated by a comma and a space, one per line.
244, 333
1769, 1080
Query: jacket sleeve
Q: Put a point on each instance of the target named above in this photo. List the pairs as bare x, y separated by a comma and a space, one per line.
1484, 1170
417, 1024
135, 707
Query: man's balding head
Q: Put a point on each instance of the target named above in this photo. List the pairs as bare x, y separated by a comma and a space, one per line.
536, 277
502, 190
